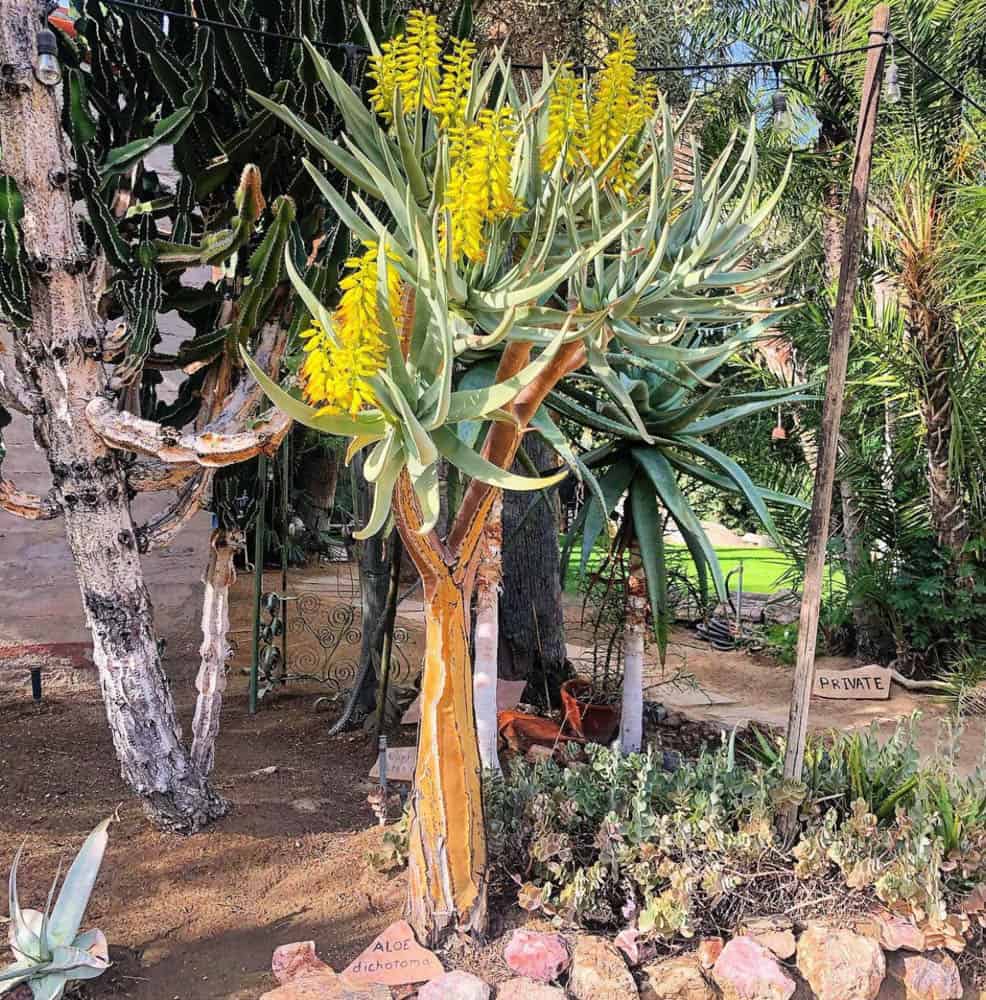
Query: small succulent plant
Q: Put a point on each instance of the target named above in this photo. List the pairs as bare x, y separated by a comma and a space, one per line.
49, 952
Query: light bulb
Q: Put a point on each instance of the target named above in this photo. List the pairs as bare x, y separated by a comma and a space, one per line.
892, 87
782, 117
47, 69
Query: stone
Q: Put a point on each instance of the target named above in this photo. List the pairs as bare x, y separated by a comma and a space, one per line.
677, 978
599, 971
536, 955
839, 964
293, 960
709, 950
393, 958
456, 985
746, 970
925, 977
324, 984
774, 933
523, 988
898, 933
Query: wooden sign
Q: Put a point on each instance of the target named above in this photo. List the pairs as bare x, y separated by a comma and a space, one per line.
400, 764
864, 683
395, 958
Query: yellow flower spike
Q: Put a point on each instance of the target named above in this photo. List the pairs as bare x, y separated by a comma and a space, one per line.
420, 55
568, 119
384, 70
621, 106
336, 376
479, 190
453, 93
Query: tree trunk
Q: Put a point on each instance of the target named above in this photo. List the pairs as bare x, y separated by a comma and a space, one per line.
447, 837
632, 716
88, 482
934, 338
487, 639
317, 479
211, 680
532, 619
866, 619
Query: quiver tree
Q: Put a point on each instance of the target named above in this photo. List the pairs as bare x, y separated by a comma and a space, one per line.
528, 237
80, 297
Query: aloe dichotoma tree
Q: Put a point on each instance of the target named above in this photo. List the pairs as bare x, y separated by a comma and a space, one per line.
536, 227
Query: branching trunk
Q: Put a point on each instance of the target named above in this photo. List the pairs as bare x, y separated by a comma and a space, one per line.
487, 639
447, 837
88, 480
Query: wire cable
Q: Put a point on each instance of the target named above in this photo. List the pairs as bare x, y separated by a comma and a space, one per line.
351, 49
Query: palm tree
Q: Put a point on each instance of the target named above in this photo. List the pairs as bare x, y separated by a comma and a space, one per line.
922, 166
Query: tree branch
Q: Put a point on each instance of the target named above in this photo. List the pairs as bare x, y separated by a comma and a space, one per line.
151, 475
159, 531
14, 391
27, 505
223, 441
504, 438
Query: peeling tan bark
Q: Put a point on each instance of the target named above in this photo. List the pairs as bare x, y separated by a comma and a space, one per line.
152, 475
27, 505
209, 447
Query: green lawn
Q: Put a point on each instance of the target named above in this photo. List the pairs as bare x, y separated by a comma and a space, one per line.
763, 569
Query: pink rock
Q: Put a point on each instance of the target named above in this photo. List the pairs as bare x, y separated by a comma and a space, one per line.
926, 977
324, 984
709, 950
536, 955
293, 960
748, 971
527, 989
840, 964
898, 933
456, 985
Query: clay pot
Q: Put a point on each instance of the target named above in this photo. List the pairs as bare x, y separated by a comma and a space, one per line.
596, 723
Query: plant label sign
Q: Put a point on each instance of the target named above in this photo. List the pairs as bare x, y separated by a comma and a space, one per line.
400, 764
864, 683
395, 958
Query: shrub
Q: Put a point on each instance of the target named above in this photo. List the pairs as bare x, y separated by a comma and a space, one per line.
608, 838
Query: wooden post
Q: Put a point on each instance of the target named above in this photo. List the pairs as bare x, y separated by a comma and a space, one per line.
828, 443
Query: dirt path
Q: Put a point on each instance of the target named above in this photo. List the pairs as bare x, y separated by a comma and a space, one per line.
736, 687
197, 918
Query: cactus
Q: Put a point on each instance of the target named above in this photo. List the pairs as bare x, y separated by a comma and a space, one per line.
49, 952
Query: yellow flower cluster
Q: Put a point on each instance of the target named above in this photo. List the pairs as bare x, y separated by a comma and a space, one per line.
403, 62
568, 120
621, 105
479, 189
335, 376
453, 92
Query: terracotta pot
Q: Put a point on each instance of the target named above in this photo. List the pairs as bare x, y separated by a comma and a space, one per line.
597, 723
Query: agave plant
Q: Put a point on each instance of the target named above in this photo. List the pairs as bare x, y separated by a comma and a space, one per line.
511, 235
48, 949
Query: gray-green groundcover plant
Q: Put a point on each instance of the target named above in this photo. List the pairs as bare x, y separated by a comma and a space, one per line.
49, 951
608, 839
